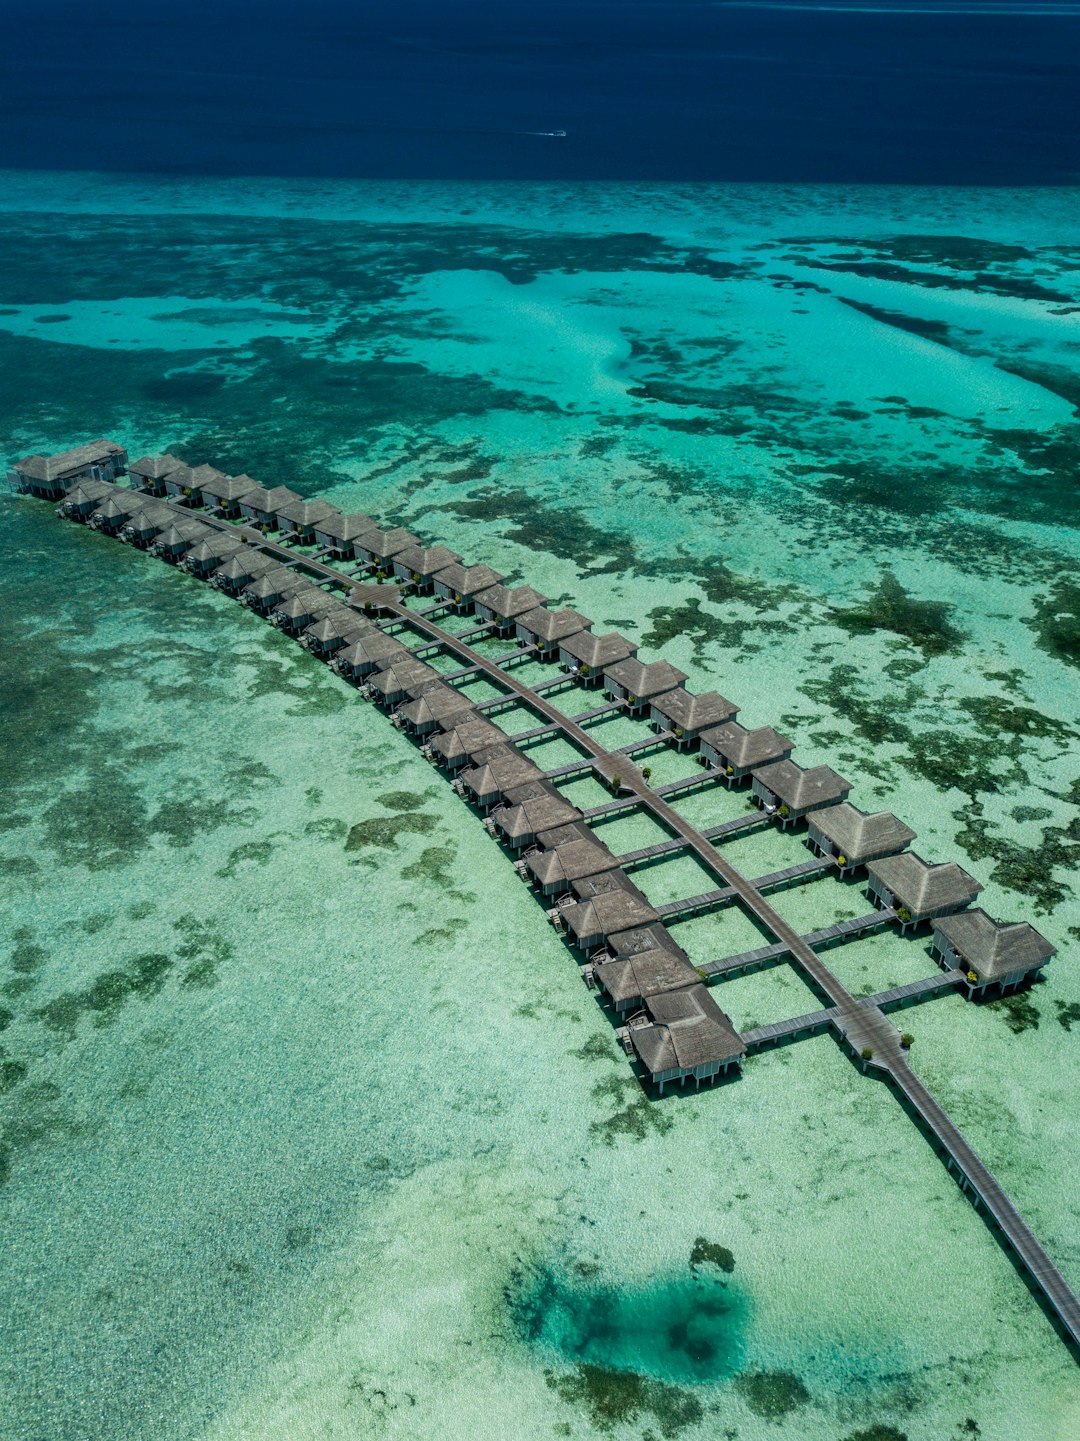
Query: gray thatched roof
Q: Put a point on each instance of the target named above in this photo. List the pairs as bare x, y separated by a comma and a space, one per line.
862, 836
115, 508
600, 915
88, 491
155, 467
642, 939
307, 513
331, 626
529, 817
530, 790
437, 704
246, 565
647, 974
571, 861
229, 487
307, 600
468, 580
399, 674
802, 789
346, 527
643, 681
426, 561
272, 580
551, 625
744, 748
183, 532
194, 478
689, 1030
499, 768
385, 544
993, 949
692, 712
598, 651
270, 501
214, 548
563, 832
922, 887
468, 739
509, 602
68, 462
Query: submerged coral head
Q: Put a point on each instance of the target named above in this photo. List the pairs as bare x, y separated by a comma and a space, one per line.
682, 1329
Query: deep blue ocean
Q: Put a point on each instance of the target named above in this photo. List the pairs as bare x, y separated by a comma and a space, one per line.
906, 91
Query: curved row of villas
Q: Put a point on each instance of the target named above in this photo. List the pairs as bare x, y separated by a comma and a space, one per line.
676, 1029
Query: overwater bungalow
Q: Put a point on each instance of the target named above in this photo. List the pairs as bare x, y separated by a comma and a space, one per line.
390, 686
113, 513
464, 742
177, 539
242, 567
587, 656
209, 555
83, 499
418, 565
270, 587
788, 791
338, 533
333, 631
380, 546
503, 604
555, 870
545, 628
851, 837
460, 584
437, 706
150, 472
298, 519
373, 652
639, 684
497, 771
186, 484
602, 906
152, 517
262, 506
995, 956
298, 610
222, 494
642, 963
530, 810
685, 715
51, 476
918, 890
737, 752
686, 1035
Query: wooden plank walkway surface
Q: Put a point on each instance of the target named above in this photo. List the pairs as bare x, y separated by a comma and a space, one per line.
861, 1025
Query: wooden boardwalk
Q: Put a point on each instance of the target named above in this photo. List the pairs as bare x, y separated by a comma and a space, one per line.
860, 1025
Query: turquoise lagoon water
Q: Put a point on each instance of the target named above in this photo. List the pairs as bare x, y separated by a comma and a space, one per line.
311, 1129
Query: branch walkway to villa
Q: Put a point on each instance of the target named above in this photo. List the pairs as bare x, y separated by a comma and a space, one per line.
858, 1024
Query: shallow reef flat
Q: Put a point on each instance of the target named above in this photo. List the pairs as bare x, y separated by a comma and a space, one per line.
310, 1128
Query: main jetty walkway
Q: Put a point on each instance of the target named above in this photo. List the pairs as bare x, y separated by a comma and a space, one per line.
386, 611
